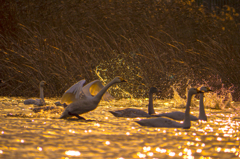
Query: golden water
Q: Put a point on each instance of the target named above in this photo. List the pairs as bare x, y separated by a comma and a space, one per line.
42, 135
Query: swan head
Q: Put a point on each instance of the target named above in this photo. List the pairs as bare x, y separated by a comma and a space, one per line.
42, 83
194, 91
119, 80
154, 90
205, 89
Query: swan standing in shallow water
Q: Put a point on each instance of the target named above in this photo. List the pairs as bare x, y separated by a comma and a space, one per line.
87, 103
133, 113
164, 122
180, 115
38, 102
77, 91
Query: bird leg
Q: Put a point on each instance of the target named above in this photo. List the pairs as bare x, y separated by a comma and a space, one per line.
76, 115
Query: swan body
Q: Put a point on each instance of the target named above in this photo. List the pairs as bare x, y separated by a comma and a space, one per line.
38, 102
164, 122
88, 102
177, 115
133, 113
78, 91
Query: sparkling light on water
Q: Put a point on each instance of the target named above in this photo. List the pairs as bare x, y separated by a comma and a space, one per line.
218, 149
219, 139
71, 131
141, 155
72, 153
39, 148
150, 153
172, 154
146, 148
199, 150
119, 138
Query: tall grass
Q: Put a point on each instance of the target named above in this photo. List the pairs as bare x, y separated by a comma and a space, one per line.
150, 43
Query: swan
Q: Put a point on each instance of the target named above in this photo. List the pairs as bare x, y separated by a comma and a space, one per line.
77, 91
87, 103
177, 115
38, 102
164, 122
132, 113
202, 114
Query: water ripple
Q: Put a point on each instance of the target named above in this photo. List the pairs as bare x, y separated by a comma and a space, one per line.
42, 135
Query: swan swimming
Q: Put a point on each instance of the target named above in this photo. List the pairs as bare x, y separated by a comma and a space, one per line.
202, 114
133, 113
77, 91
177, 115
87, 103
38, 102
164, 122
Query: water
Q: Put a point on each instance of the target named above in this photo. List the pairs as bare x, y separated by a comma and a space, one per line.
42, 135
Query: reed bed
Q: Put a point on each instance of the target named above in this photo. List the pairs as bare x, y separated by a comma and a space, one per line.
149, 43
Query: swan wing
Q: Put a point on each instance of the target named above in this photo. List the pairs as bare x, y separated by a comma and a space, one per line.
73, 93
92, 89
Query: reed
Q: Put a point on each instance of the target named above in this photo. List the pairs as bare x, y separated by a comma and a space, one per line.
149, 43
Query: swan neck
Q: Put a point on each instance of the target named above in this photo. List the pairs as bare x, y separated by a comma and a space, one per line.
41, 93
150, 105
202, 114
187, 121
103, 90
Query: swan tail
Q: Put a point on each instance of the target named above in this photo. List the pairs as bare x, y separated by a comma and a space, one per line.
64, 115
193, 118
116, 114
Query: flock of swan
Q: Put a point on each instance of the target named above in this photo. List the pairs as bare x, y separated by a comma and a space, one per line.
80, 99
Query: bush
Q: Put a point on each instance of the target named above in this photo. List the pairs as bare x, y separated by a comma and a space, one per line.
150, 43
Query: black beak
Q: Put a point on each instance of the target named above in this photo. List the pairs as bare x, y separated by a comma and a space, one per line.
124, 81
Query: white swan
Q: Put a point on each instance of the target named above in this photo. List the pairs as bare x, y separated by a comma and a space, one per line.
164, 122
133, 113
77, 91
39, 102
177, 115
87, 103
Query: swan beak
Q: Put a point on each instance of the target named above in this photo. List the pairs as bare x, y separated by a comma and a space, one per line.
209, 90
123, 80
199, 91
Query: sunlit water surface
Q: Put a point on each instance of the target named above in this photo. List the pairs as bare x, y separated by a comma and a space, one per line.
42, 135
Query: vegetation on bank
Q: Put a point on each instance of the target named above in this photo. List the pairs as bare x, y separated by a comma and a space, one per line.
149, 43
